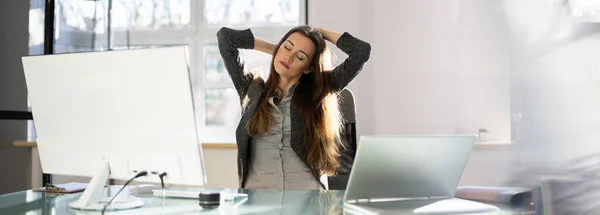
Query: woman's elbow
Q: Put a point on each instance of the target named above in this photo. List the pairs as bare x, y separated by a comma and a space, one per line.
222, 32
365, 49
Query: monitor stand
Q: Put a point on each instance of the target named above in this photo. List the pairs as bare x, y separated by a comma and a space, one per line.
92, 199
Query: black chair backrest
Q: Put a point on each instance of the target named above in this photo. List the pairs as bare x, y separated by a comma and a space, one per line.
348, 108
339, 180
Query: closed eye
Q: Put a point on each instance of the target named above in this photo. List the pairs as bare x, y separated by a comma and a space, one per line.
287, 48
300, 58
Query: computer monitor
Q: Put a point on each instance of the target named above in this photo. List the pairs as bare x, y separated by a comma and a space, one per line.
113, 114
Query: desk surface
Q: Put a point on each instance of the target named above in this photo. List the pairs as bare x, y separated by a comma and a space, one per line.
258, 202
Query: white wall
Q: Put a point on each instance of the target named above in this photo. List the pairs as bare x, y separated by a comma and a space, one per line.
447, 66
436, 67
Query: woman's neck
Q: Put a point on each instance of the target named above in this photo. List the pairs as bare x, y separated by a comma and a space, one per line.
286, 83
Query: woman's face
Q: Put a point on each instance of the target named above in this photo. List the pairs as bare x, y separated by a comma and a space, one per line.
294, 56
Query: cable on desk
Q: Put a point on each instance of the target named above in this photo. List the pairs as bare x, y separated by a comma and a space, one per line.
142, 173
162, 183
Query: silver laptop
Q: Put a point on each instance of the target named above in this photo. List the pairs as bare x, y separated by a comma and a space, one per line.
408, 168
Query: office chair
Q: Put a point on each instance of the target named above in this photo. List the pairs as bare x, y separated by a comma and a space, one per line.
339, 180
23, 115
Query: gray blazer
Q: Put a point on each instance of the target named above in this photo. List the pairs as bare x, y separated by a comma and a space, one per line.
230, 40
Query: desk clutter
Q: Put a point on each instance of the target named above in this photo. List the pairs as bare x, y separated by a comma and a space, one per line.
71, 187
503, 195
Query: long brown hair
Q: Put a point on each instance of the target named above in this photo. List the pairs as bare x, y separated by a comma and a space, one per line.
315, 100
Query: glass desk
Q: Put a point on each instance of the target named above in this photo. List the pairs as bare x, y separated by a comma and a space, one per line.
258, 202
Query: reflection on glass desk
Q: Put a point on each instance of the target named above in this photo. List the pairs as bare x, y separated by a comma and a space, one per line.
257, 202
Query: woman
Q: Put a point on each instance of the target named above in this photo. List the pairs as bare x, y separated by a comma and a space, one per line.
289, 133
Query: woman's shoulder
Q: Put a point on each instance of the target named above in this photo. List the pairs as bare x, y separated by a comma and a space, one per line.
257, 84
257, 79
255, 89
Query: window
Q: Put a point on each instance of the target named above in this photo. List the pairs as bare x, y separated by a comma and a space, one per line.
36, 46
83, 25
585, 10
